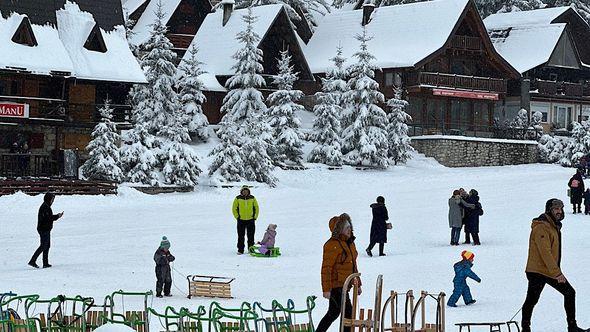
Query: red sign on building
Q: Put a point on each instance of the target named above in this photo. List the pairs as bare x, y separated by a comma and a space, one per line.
14, 110
465, 94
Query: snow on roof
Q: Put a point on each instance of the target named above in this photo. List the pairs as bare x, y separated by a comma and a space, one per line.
217, 44
62, 49
49, 55
536, 17
403, 35
210, 83
526, 39
143, 26
130, 6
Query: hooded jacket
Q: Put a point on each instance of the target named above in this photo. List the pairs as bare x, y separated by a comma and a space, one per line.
339, 258
245, 208
268, 240
45, 218
545, 247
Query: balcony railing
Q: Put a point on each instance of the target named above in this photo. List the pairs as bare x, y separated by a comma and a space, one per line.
27, 164
466, 43
458, 81
553, 88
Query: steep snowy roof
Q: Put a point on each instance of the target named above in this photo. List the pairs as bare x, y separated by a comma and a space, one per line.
403, 35
143, 26
116, 64
62, 48
526, 39
130, 6
217, 43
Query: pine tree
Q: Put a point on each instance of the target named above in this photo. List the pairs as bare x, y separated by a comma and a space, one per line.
192, 97
519, 5
582, 6
282, 117
521, 120
129, 33
578, 146
364, 136
326, 125
397, 129
103, 162
308, 8
243, 106
137, 158
181, 164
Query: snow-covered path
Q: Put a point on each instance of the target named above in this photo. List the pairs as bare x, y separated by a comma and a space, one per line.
106, 243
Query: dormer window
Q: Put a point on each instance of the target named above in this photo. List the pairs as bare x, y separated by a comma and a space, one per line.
95, 42
24, 34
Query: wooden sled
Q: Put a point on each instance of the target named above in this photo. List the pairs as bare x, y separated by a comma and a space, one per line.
370, 323
493, 326
393, 304
439, 325
209, 286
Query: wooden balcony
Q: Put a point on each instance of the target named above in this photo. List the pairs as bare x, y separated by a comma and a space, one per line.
457, 81
553, 88
466, 43
180, 41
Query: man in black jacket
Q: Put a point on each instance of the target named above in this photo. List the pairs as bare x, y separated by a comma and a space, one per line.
45, 221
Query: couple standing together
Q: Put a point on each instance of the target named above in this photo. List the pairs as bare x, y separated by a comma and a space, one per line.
464, 209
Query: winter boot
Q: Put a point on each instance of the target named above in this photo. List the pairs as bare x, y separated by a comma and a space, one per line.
470, 302
33, 264
574, 208
159, 295
381, 249
573, 327
369, 252
579, 208
45, 266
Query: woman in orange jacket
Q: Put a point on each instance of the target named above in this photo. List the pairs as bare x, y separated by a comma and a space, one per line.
339, 262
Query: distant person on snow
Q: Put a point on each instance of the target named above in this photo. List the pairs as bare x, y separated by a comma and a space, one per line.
543, 265
472, 216
163, 257
587, 201
457, 208
268, 240
378, 226
45, 220
338, 262
462, 272
245, 210
576, 184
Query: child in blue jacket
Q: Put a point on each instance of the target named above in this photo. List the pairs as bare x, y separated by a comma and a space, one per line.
462, 272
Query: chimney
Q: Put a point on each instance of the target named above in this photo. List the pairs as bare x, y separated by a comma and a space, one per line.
368, 9
228, 8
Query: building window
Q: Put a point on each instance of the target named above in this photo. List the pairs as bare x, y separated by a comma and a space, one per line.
543, 108
95, 42
585, 112
481, 115
389, 79
24, 34
562, 116
460, 114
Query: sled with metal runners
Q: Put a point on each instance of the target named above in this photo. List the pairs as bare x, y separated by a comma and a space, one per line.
512, 326
286, 318
272, 252
135, 319
209, 286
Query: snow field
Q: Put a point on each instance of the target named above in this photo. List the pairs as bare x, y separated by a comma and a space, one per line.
106, 243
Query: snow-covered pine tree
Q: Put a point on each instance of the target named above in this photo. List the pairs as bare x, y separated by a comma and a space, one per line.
103, 162
397, 129
286, 136
364, 136
326, 125
578, 146
129, 23
192, 97
307, 8
243, 106
582, 6
521, 120
181, 164
137, 157
508, 6
259, 166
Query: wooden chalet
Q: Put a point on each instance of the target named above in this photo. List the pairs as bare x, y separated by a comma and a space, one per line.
216, 41
549, 47
183, 19
438, 51
59, 62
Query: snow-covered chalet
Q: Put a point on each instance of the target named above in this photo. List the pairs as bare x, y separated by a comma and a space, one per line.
550, 48
59, 62
438, 51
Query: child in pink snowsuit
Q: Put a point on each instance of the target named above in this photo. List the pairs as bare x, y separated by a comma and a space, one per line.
268, 240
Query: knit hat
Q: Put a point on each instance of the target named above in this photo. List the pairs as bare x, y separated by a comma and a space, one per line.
468, 255
554, 202
165, 244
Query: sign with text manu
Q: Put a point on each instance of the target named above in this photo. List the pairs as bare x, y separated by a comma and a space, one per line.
14, 110
465, 94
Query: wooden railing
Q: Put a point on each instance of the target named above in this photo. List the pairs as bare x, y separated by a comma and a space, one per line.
466, 43
457, 81
27, 164
553, 88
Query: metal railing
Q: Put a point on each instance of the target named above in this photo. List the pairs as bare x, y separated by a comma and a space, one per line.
473, 130
27, 164
457, 81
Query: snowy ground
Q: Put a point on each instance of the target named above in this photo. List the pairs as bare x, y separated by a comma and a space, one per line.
106, 243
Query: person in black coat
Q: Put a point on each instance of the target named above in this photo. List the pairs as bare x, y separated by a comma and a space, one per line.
472, 216
576, 184
378, 226
163, 257
45, 221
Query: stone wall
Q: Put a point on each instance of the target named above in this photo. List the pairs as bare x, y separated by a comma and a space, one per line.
458, 151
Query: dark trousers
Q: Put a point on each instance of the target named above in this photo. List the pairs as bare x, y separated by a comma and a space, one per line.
45, 237
475, 238
381, 247
455, 235
245, 227
467, 237
334, 309
536, 284
163, 283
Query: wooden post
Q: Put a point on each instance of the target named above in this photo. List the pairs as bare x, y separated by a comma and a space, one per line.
442, 311
423, 294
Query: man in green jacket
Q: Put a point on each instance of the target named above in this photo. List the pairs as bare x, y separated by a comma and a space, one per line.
544, 265
245, 210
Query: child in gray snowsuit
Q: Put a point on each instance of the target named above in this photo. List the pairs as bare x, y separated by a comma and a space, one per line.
268, 240
163, 257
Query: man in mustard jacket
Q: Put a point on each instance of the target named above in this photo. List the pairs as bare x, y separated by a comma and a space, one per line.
543, 265
245, 210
